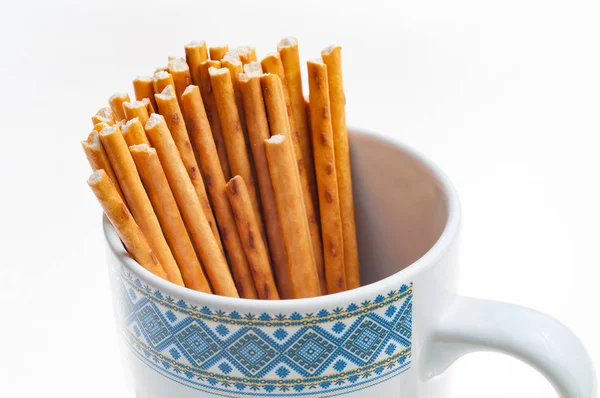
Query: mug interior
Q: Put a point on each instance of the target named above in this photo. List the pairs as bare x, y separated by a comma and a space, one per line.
401, 206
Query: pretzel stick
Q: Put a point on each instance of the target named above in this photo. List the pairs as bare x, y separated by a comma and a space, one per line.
332, 57
134, 133
160, 81
217, 53
247, 54
116, 105
97, 158
169, 108
136, 197
290, 59
103, 115
136, 109
301, 261
213, 114
143, 87
253, 68
189, 205
254, 245
331, 222
258, 132
235, 69
98, 127
195, 53
130, 233
272, 64
235, 141
278, 121
182, 78
200, 134
190, 271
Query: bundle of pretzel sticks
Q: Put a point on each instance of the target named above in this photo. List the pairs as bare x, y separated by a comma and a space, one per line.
223, 178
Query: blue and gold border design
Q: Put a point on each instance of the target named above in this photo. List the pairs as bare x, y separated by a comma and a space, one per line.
330, 352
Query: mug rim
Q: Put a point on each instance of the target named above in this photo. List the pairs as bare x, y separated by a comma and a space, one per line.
422, 264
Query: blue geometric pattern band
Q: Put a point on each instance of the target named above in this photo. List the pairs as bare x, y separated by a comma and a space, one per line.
330, 352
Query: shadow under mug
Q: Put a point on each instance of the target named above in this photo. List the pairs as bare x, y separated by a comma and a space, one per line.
393, 337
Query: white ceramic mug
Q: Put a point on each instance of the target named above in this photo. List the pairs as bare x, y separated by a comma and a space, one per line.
393, 337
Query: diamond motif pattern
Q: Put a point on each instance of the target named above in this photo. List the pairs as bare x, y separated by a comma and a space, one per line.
330, 351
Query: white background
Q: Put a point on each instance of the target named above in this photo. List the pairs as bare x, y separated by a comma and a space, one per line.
504, 95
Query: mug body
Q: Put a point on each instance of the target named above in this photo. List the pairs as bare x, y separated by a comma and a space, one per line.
184, 344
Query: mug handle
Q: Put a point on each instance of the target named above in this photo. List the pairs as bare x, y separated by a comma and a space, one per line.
471, 325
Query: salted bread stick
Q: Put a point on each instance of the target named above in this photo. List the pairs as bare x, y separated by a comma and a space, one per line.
97, 158
196, 52
235, 142
98, 127
290, 59
136, 197
134, 133
258, 132
153, 176
103, 115
169, 108
301, 260
136, 109
143, 87
130, 233
332, 57
217, 53
247, 54
160, 81
331, 219
253, 68
199, 129
189, 205
235, 69
272, 64
182, 77
213, 115
116, 105
254, 245
279, 123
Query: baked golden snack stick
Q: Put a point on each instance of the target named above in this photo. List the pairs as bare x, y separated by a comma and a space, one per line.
301, 262
169, 108
136, 109
143, 87
199, 128
190, 271
136, 197
196, 52
279, 123
134, 133
231, 62
130, 233
258, 132
332, 57
247, 54
97, 158
189, 205
213, 114
104, 115
160, 81
290, 59
235, 142
217, 53
331, 222
254, 245
182, 77
116, 105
